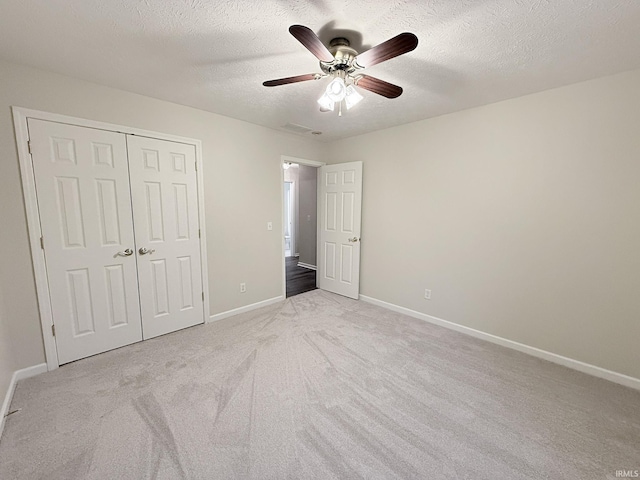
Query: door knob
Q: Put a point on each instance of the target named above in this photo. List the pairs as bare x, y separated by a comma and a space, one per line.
144, 251
354, 239
127, 253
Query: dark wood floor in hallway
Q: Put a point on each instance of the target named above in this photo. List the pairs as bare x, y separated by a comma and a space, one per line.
299, 279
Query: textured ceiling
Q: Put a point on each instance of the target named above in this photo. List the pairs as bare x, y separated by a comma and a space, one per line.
214, 55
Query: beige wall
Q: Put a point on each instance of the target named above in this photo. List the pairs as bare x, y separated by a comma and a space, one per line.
239, 246
522, 217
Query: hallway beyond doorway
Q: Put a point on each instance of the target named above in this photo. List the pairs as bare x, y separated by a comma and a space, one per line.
299, 279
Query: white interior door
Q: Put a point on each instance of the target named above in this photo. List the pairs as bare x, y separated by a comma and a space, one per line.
165, 211
340, 213
82, 180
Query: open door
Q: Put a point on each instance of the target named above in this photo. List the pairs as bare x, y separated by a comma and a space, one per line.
340, 192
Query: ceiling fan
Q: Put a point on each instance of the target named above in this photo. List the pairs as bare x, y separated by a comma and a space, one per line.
343, 63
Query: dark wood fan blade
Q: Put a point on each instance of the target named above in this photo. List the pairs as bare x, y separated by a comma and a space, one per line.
378, 86
403, 43
296, 79
311, 41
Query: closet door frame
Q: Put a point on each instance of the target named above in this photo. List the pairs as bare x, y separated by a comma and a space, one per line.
20, 116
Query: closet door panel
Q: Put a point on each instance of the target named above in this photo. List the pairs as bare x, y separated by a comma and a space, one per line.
165, 210
84, 200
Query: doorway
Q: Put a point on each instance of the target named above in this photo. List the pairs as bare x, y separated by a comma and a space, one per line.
300, 226
337, 209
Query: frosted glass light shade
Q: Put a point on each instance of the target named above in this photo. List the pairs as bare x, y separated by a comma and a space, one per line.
336, 90
352, 97
326, 103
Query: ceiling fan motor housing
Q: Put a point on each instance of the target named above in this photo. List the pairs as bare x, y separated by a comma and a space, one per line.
344, 56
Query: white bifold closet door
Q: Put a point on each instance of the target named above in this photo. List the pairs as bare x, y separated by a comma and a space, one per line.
120, 235
165, 210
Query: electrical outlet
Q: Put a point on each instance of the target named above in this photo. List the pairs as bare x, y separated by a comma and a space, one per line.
427, 294
269, 226
243, 287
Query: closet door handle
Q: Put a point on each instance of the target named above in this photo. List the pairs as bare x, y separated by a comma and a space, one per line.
144, 251
127, 253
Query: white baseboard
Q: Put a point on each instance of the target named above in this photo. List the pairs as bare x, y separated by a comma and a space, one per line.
246, 308
589, 369
306, 265
15, 378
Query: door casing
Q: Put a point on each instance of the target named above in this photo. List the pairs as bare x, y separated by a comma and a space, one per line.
20, 116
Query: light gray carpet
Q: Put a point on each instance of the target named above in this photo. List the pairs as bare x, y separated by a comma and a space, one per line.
319, 387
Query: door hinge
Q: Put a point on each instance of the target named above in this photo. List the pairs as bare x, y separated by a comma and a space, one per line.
199, 234
203, 296
53, 330
42, 243
196, 162
29, 145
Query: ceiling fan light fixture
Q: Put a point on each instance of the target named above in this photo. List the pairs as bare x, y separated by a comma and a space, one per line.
336, 90
352, 97
340, 62
326, 103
